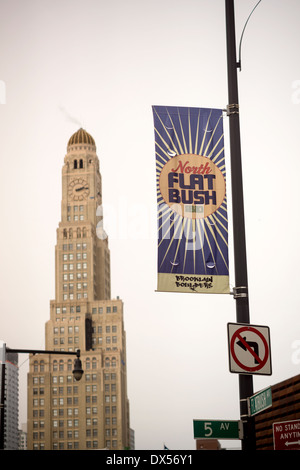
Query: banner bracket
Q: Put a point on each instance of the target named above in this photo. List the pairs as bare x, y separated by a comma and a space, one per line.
240, 292
232, 109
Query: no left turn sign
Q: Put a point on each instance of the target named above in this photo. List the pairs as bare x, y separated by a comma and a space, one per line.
249, 349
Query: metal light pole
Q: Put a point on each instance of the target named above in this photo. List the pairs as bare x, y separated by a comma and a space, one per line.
240, 259
77, 372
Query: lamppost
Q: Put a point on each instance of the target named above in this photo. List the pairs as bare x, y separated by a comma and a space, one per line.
241, 278
77, 373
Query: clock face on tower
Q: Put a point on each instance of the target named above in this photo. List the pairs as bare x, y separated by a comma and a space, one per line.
78, 189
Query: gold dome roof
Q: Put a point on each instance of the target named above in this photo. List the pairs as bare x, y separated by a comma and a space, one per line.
81, 137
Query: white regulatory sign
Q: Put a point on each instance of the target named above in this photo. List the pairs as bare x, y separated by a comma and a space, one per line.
249, 349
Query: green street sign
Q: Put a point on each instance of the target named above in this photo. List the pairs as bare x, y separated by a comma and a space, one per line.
260, 401
212, 429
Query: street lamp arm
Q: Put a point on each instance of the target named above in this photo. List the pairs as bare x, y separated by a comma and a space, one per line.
239, 64
41, 351
77, 371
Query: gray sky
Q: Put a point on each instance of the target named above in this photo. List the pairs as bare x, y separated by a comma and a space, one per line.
102, 65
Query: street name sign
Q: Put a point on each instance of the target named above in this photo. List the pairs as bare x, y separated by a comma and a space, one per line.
286, 435
249, 349
213, 429
260, 401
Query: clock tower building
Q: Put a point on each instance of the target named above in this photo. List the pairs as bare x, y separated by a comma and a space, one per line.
81, 196
94, 412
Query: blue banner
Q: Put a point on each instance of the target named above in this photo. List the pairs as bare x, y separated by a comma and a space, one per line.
191, 200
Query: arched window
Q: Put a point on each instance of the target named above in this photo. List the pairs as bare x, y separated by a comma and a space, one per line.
78, 233
75, 164
81, 164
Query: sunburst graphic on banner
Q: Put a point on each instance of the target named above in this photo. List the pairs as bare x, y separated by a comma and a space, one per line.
191, 191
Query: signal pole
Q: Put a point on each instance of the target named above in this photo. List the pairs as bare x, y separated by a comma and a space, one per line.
240, 258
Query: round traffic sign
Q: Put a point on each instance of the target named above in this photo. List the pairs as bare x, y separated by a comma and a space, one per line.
260, 358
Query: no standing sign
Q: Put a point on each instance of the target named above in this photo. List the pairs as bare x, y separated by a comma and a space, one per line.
249, 349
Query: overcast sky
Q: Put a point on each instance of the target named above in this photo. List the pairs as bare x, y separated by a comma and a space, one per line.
102, 65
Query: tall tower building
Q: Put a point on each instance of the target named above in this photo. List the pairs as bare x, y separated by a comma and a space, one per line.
94, 412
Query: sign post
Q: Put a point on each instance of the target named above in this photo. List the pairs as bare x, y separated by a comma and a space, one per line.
213, 429
239, 237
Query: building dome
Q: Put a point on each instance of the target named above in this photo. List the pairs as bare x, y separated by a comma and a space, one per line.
81, 137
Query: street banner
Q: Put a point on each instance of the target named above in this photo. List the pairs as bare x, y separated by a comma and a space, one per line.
191, 200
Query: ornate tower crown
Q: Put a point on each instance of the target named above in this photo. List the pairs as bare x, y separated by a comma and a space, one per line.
81, 137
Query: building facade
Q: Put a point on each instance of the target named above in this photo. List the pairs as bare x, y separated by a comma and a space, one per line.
23, 437
285, 407
94, 412
9, 392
